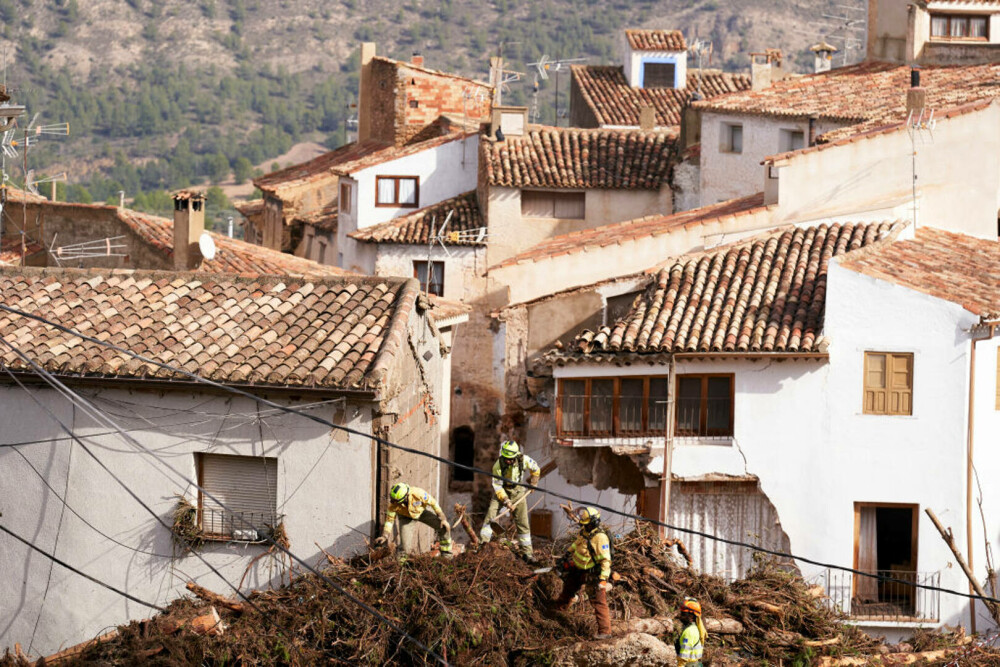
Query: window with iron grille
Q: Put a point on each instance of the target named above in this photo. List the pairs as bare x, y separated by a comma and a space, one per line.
244, 494
704, 405
960, 26
626, 406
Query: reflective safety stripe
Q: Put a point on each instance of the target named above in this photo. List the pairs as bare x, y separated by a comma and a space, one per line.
525, 539
486, 533
690, 644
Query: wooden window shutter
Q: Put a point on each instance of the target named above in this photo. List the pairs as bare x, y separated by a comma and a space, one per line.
875, 396
900, 379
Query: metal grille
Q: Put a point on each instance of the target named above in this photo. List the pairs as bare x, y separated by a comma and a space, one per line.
242, 526
247, 487
887, 600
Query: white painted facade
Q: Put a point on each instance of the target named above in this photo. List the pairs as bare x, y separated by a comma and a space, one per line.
444, 171
635, 60
325, 486
461, 264
799, 427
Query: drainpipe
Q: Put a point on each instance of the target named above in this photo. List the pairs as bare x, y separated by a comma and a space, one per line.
668, 451
992, 327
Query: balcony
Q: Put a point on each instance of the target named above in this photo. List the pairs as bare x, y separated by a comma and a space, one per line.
879, 601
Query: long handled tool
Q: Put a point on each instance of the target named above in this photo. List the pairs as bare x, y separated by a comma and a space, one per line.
508, 510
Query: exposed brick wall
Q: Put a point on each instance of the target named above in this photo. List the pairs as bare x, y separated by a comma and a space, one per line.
580, 113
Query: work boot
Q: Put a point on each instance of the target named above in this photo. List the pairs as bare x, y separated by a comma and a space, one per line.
602, 636
447, 554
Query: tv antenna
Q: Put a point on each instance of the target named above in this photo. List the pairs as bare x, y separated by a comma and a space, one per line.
108, 247
700, 49
32, 183
848, 27
544, 66
920, 123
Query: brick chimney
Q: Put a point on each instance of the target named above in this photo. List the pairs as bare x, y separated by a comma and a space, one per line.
189, 224
417, 59
365, 85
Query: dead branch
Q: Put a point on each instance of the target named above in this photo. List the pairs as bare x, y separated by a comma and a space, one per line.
463, 518
214, 598
950, 541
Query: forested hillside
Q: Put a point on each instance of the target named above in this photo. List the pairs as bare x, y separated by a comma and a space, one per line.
164, 94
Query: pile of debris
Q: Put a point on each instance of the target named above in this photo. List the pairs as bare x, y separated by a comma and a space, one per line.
488, 607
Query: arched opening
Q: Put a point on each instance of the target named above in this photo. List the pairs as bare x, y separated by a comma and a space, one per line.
463, 451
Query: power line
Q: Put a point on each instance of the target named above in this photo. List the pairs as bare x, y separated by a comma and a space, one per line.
84, 404
417, 452
76, 571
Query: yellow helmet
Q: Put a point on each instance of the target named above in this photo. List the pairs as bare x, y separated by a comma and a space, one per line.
399, 491
509, 449
588, 516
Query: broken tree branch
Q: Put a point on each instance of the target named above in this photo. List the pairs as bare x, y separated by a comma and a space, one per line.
950, 541
463, 518
214, 598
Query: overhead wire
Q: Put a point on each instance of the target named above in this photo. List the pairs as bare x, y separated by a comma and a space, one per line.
94, 413
69, 567
417, 452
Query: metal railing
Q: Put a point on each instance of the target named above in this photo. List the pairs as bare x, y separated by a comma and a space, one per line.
604, 419
239, 526
716, 423
869, 599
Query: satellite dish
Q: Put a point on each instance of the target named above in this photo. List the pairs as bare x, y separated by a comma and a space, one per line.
206, 245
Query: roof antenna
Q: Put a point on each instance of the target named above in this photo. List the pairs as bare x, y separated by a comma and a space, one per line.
920, 123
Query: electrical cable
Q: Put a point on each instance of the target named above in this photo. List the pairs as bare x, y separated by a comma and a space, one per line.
76, 571
417, 452
80, 401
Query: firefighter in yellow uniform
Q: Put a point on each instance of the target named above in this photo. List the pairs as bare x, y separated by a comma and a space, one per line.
412, 505
510, 467
691, 643
588, 563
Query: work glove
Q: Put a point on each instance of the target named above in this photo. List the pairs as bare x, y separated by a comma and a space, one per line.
509, 505
380, 541
605, 586
445, 524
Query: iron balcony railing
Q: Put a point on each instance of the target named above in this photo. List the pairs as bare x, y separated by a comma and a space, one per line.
596, 415
240, 526
879, 599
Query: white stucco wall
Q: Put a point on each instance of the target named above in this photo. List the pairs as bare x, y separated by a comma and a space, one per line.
634, 61
957, 166
727, 175
325, 486
460, 266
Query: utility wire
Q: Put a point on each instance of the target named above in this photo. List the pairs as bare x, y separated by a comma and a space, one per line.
455, 464
76, 571
80, 401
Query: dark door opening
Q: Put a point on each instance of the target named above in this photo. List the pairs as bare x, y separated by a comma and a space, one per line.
463, 448
886, 545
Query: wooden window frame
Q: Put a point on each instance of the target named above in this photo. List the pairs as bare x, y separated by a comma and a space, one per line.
552, 196
888, 365
914, 541
430, 267
616, 430
345, 197
703, 406
395, 203
961, 17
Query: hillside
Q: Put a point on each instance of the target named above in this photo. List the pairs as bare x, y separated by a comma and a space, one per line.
164, 94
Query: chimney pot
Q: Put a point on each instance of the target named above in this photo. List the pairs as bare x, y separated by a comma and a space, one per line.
417, 60
189, 225
647, 117
915, 77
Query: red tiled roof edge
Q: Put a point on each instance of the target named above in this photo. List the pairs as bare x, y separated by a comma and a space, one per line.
395, 335
428, 70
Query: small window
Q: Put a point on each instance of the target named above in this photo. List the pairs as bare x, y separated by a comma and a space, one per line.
433, 284
247, 487
732, 138
658, 75
704, 405
888, 383
560, 205
345, 198
628, 406
790, 140
959, 27
397, 191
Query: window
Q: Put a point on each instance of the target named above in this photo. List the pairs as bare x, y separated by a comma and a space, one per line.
629, 406
436, 283
704, 405
885, 543
463, 442
247, 487
791, 140
345, 198
397, 191
888, 383
658, 75
732, 138
562, 205
959, 26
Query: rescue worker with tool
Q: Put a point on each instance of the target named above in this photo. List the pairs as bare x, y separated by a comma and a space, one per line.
412, 505
691, 643
510, 468
588, 563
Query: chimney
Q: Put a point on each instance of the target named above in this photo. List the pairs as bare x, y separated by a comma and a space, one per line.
365, 85
189, 224
417, 59
823, 60
765, 69
647, 117
813, 119
916, 95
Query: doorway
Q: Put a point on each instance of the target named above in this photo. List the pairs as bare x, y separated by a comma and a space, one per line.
885, 544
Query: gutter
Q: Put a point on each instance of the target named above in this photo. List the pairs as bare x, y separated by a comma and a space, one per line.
991, 326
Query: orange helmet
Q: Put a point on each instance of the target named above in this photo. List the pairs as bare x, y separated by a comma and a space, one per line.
691, 605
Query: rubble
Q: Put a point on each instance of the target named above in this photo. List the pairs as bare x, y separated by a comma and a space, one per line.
489, 607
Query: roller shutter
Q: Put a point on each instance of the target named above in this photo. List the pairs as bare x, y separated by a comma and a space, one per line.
246, 486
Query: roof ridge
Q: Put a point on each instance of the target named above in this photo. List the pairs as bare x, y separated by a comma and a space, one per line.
395, 333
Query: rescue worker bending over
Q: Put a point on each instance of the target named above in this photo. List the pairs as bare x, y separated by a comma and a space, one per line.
411, 504
510, 467
588, 563
691, 643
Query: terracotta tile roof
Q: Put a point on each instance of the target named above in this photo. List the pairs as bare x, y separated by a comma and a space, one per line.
865, 96
766, 295
415, 227
550, 157
656, 40
317, 169
614, 102
323, 219
10, 250
653, 225
250, 208
442, 309
954, 267
334, 333
395, 152
17, 195
231, 256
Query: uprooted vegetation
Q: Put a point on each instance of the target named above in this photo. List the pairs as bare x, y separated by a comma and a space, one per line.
489, 608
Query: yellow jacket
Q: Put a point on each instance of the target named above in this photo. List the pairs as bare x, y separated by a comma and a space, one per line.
514, 473
412, 506
601, 547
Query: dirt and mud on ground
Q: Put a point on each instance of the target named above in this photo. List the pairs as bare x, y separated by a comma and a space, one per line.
487, 607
